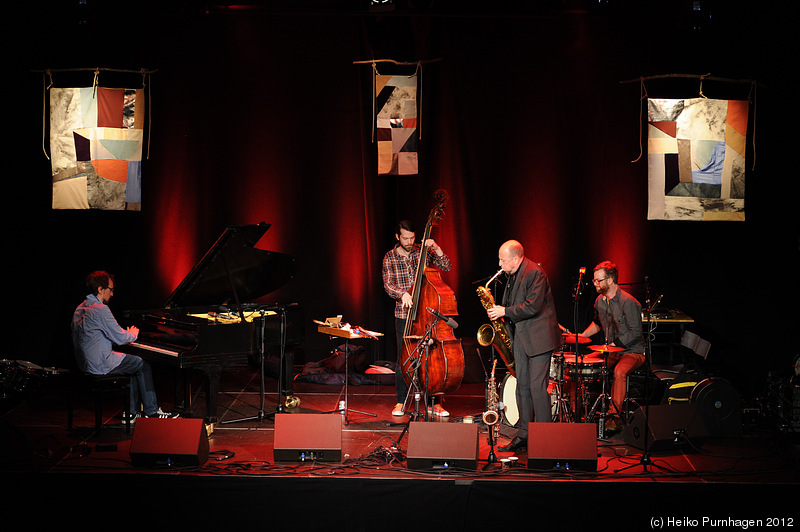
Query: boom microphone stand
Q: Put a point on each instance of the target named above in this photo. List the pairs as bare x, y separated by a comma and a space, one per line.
413, 371
261, 415
645, 460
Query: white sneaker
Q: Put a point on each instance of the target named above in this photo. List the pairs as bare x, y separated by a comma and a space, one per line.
163, 415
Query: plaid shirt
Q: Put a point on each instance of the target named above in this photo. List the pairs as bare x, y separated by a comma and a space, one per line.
399, 271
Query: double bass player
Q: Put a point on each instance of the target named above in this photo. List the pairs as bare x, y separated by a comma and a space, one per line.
399, 269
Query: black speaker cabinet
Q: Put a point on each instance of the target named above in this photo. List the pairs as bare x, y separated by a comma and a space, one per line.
564, 446
670, 427
434, 445
169, 442
308, 437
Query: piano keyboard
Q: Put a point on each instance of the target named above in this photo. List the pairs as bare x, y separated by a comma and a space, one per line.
155, 349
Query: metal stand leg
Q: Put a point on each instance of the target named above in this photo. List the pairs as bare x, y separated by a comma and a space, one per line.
563, 411
343, 408
603, 401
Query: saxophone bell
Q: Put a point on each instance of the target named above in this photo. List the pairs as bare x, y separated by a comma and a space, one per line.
490, 417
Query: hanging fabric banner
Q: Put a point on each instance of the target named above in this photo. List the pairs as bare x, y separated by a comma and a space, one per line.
96, 139
396, 121
696, 159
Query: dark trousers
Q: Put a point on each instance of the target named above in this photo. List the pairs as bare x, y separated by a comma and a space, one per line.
533, 401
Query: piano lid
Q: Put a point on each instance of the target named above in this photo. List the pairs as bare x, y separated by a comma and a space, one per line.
234, 270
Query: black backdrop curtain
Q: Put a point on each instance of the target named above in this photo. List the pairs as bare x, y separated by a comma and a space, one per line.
260, 115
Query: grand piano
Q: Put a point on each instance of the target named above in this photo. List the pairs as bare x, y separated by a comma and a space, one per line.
209, 322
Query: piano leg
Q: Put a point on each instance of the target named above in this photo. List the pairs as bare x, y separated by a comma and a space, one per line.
213, 374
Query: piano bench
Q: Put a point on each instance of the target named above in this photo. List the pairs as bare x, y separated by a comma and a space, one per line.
97, 386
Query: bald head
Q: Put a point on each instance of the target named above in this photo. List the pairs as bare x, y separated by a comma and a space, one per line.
510, 256
512, 247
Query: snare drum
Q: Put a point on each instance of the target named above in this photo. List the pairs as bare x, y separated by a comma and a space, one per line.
590, 369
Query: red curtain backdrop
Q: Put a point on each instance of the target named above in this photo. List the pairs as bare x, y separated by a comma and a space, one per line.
264, 117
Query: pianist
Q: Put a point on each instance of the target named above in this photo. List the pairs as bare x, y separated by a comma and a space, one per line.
95, 331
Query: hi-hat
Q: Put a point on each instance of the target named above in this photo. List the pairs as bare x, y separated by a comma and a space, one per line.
569, 338
605, 348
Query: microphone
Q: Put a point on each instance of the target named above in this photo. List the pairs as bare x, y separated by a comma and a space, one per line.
579, 287
449, 321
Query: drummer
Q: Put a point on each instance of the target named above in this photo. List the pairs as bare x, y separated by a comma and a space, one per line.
619, 316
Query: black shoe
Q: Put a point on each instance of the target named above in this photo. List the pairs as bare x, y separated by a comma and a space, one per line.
516, 444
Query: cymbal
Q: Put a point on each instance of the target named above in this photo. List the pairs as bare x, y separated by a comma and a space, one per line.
605, 348
569, 338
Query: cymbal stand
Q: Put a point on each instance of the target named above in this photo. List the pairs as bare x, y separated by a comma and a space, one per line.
563, 410
603, 401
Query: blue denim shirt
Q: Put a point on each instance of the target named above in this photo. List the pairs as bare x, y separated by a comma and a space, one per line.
94, 332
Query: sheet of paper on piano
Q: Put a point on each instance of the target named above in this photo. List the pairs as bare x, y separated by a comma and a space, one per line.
226, 317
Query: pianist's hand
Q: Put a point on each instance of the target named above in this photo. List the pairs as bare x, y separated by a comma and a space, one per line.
134, 331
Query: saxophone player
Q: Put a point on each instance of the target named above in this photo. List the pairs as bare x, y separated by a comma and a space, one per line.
530, 313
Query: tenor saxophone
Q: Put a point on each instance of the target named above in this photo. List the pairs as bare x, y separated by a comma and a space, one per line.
493, 406
495, 332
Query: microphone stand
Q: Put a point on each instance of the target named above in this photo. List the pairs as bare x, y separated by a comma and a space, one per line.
578, 362
413, 372
645, 460
262, 348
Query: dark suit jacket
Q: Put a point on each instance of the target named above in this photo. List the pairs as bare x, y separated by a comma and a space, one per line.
531, 311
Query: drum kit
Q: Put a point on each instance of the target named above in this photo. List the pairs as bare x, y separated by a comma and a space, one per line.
21, 378
574, 377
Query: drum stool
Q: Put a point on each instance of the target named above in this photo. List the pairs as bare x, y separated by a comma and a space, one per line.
97, 386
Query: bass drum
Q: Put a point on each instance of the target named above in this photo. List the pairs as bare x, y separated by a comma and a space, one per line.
719, 405
508, 396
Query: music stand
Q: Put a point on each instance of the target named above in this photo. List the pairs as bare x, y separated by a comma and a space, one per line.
347, 334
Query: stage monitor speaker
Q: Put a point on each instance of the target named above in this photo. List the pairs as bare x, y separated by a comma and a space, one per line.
670, 427
308, 437
562, 446
169, 442
435, 445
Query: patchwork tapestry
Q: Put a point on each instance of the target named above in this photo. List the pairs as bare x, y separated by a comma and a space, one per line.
96, 148
396, 124
696, 156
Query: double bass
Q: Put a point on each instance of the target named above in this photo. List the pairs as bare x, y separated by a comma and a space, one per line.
441, 365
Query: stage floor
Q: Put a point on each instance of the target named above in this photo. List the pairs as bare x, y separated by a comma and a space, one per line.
743, 477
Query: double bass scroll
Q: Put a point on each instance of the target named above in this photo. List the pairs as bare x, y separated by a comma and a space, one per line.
442, 367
